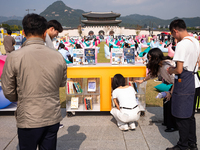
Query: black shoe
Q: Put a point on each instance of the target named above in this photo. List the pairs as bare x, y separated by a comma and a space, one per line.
174, 148
170, 129
193, 146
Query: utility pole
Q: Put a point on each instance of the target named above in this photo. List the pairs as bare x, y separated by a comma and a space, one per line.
30, 10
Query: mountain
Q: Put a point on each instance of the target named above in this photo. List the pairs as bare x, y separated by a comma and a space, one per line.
3, 19
145, 20
65, 15
70, 17
13, 22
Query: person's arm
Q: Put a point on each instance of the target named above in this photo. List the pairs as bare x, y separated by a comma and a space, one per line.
145, 79
116, 103
169, 94
8, 81
64, 78
176, 70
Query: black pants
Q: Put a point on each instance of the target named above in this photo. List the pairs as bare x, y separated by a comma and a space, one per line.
169, 119
187, 127
45, 138
187, 131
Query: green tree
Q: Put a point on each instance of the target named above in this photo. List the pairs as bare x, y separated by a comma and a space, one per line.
6, 26
12, 27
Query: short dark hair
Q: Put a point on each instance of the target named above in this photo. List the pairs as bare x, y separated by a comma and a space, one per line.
61, 45
9, 32
54, 23
126, 45
34, 24
78, 46
118, 80
178, 24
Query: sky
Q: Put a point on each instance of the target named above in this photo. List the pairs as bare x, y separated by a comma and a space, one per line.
163, 9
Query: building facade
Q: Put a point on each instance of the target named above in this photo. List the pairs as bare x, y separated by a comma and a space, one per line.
101, 19
102, 23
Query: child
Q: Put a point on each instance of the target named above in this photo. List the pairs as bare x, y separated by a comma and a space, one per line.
126, 111
65, 53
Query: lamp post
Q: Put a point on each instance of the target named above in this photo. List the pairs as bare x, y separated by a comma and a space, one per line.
30, 10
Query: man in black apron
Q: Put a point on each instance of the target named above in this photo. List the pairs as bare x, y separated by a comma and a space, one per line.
182, 102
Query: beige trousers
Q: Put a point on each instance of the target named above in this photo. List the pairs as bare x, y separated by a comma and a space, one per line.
124, 116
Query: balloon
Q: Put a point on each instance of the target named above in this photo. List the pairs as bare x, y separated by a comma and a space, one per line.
3, 101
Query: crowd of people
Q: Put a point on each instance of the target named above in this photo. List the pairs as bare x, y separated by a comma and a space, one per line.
32, 77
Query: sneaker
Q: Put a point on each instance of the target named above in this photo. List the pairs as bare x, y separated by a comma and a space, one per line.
132, 126
124, 127
176, 148
170, 129
61, 126
193, 146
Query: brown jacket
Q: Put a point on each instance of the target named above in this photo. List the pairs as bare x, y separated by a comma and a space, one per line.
31, 77
8, 43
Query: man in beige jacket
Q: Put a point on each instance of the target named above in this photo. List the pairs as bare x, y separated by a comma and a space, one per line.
31, 77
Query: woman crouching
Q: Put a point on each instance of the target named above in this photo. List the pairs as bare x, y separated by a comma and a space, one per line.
126, 111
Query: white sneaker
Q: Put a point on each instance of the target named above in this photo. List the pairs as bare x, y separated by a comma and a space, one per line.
61, 126
132, 126
124, 127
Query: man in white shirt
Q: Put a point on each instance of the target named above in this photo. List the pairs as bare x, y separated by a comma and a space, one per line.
53, 28
183, 101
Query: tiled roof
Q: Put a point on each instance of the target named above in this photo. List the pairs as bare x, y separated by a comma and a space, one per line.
101, 14
101, 22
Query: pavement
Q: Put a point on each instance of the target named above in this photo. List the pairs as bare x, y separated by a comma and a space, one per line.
98, 131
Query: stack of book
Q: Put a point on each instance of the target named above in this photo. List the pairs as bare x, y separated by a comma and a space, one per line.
74, 102
88, 103
73, 87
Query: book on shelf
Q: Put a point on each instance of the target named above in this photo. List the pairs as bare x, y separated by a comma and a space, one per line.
74, 102
88, 103
76, 88
89, 56
129, 55
78, 56
134, 85
73, 87
70, 89
117, 56
79, 87
91, 85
